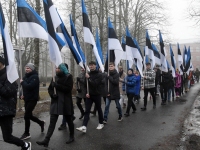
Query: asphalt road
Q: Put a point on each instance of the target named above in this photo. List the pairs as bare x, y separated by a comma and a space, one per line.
139, 131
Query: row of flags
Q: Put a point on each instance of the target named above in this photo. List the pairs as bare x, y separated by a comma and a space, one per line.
31, 25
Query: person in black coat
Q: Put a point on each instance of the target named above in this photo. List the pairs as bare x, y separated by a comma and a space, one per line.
61, 103
93, 96
113, 92
8, 101
30, 85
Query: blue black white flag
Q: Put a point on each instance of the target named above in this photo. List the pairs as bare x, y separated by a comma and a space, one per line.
180, 60
188, 62
156, 54
54, 41
88, 36
8, 51
163, 59
173, 62
30, 24
185, 56
149, 50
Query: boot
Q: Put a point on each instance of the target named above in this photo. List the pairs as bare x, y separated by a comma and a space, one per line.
71, 139
44, 143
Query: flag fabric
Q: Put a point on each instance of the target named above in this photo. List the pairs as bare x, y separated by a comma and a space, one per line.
173, 62
76, 41
156, 54
127, 54
187, 62
163, 60
168, 65
184, 56
149, 50
54, 41
30, 24
131, 46
9, 56
180, 60
67, 38
114, 45
146, 59
88, 37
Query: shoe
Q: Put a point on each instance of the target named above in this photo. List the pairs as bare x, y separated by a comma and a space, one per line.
43, 126
163, 103
105, 122
25, 136
82, 129
44, 143
71, 139
134, 111
154, 106
126, 114
143, 108
100, 126
28, 147
120, 118
81, 117
62, 127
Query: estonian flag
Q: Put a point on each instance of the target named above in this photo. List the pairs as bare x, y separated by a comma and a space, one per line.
146, 59
173, 62
149, 50
168, 65
163, 60
187, 62
184, 56
9, 56
54, 41
127, 54
180, 60
131, 46
156, 54
68, 39
30, 24
98, 44
88, 37
76, 41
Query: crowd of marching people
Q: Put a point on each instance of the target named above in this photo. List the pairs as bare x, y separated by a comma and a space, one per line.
92, 87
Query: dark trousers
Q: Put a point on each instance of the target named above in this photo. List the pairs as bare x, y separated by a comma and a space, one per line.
178, 91
78, 103
163, 93
88, 105
130, 103
152, 92
6, 124
52, 125
29, 107
95, 109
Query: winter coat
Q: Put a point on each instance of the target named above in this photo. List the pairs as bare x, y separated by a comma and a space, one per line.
137, 85
8, 95
81, 85
166, 78
62, 105
94, 82
30, 85
121, 80
157, 79
129, 84
103, 85
113, 80
178, 81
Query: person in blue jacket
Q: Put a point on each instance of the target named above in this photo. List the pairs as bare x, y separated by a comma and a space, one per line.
128, 86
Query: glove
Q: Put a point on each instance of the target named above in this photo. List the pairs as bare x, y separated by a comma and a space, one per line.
54, 84
78, 79
54, 96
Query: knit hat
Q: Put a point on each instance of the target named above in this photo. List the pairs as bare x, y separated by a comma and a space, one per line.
63, 68
2, 60
31, 66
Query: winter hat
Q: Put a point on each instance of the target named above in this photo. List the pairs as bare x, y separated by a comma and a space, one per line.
31, 66
63, 68
2, 60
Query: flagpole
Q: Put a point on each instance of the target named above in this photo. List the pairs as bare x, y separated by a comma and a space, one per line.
86, 71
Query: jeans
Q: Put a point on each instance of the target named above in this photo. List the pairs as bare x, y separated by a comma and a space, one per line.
108, 101
171, 90
88, 104
130, 103
29, 107
78, 103
52, 125
152, 92
6, 124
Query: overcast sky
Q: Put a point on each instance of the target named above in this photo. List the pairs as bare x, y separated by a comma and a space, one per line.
181, 29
